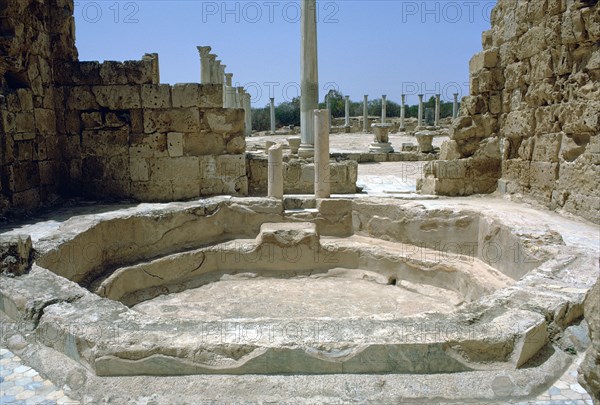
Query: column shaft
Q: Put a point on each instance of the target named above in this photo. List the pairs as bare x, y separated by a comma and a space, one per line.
322, 178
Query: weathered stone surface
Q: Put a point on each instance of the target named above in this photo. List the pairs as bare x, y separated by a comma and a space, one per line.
534, 87
16, 254
589, 371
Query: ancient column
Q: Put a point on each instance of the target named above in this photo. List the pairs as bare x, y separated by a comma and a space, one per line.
309, 86
455, 106
366, 113
247, 115
221, 73
229, 93
212, 60
204, 64
239, 97
437, 110
272, 116
347, 120
420, 117
402, 113
275, 184
383, 108
328, 102
322, 182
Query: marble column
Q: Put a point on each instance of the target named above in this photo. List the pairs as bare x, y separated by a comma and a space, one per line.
383, 108
309, 86
437, 110
402, 113
247, 115
239, 97
366, 113
212, 60
204, 64
275, 170
347, 119
272, 116
220, 73
455, 106
328, 102
420, 117
322, 177
228, 91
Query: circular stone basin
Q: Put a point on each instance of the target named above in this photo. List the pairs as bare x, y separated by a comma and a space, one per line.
337, 293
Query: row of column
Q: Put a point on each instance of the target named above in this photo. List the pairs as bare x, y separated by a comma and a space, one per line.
212, 71
402, 110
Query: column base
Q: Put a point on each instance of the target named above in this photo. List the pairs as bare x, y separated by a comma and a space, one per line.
306, 150
381, 147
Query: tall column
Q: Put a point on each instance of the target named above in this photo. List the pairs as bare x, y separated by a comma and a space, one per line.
420, 117
402, 113
322, 179
455, 106
328, 102
272, 115
229, 92
220, 72
204, 64
247, 115
437, 110
275, 170
366, 113
347, 120
239, 97
212, 60
383, 108
309, 87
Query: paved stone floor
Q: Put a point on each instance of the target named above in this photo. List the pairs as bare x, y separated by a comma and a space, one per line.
22, 385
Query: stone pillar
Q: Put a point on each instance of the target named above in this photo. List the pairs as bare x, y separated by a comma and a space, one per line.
347, 119
437, 110
229, 94
272, 116
328, 102
383, 108
247, 115
420, 117
455, 106
322, 179
366, 113
275, 184
309, 86
239, 97
402, 113
218, 72
212, 66
204, 64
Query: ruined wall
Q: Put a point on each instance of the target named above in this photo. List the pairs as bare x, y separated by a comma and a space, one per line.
126, 135
531, 123
104, 130
35, 36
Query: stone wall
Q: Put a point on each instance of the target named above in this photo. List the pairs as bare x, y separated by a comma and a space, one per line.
531, 123
129, 136
299, 175
104, 130
35, 36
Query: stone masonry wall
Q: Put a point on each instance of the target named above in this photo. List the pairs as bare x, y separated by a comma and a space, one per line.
34, 37
126, 135
531, 123
103, 130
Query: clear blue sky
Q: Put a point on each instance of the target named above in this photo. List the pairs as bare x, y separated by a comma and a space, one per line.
365, 47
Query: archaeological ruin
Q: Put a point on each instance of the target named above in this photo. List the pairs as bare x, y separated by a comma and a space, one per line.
155, 248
